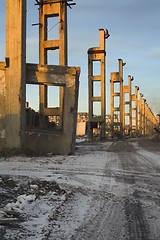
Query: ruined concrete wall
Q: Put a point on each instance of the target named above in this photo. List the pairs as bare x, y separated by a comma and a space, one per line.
2, 108
71, 106
60, 141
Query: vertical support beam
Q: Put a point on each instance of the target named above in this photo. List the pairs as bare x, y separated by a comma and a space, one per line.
46, 11
140, 113
103, 35
143, 117
136, 101
127, 89
130, 102
42, 61
112, 103
146, 118
97, 54
117, 77
15, 73
121, 64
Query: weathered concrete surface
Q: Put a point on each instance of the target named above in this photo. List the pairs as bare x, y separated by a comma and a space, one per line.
13, 83
55, 9
97, 54
2, 108
15, 73
63, 141
117, 77
128, 89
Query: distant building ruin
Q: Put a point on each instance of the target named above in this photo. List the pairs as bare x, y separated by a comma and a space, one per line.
130, 114
97, 54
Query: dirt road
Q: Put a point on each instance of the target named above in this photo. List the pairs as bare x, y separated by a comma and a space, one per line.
121, 200
114, 191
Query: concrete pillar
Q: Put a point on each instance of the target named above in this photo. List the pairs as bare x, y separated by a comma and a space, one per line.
97, 54
117, 77
113, 78
146, 118
143, 117
128, 89
15, 73
135, 99
49, 10
140, 113
121, 64
152, 121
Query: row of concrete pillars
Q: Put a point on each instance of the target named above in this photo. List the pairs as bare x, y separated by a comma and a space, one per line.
130, 114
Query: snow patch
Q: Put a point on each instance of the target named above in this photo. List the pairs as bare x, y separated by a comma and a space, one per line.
21, 202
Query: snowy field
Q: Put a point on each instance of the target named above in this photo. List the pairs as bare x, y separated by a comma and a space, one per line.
106, 191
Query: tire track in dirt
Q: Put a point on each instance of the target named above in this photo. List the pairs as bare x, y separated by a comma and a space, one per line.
104, 224
115, 212
137, 225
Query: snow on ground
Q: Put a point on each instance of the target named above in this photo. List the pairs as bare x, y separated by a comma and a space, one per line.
106, 191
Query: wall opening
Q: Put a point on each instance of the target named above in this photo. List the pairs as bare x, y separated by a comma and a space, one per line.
126, 108
96, 88
133, 113
133, 122
126, 119
133, 104
116, 87
126, 97
53, 96
32, 96
32, 105
53, 27
96, 68
116, 116
116, 101
53, 57
96, 108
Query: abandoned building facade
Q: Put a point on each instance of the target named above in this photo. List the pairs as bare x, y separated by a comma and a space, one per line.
19, 126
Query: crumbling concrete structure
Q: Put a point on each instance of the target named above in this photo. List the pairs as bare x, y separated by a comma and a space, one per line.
135, 111
127, 103
143, 117
97, 54
117, 107
140, 105
48, 10
130, 114
13, 78
15, 73
150, 121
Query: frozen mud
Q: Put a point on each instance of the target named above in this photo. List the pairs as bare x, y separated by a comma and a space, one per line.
106, 191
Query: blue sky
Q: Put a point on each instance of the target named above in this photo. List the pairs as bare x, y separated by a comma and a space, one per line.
134, 27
